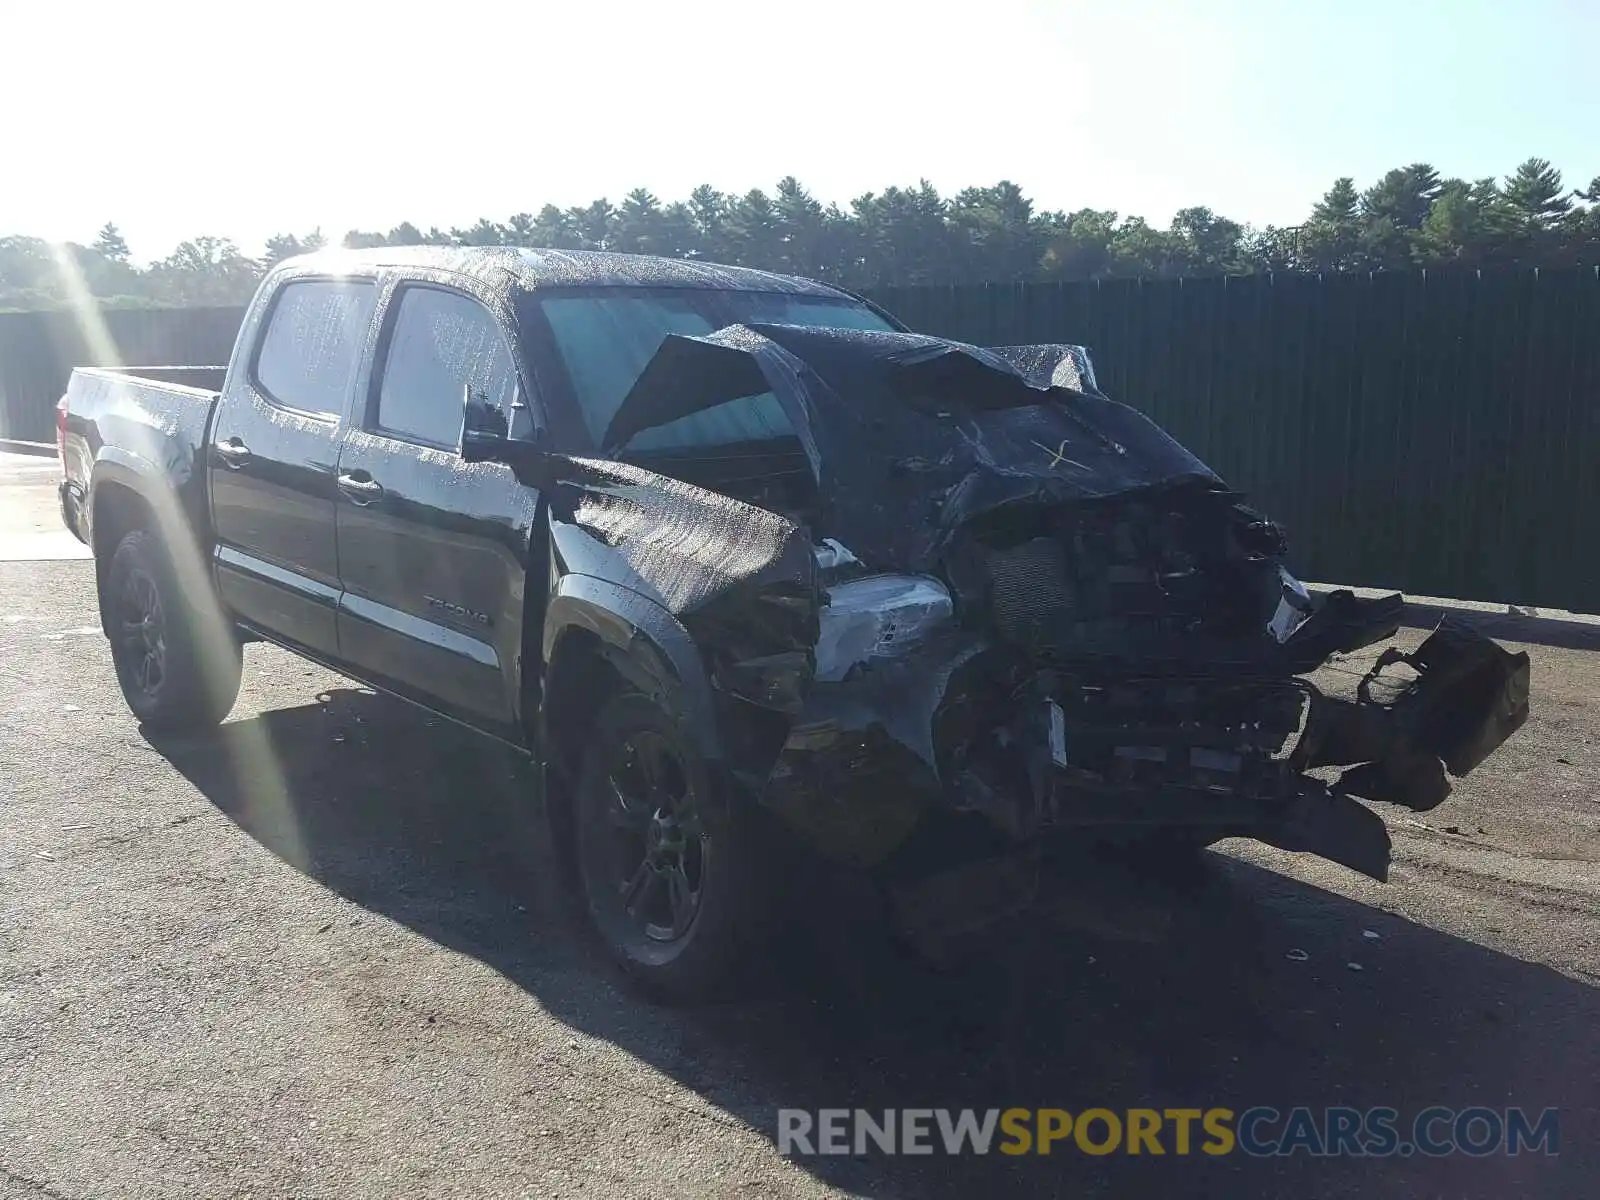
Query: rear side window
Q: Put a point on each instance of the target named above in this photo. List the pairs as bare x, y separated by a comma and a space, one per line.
441, 344
313, 341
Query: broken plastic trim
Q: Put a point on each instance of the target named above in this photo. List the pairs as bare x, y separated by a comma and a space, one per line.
881, 616
1294, 608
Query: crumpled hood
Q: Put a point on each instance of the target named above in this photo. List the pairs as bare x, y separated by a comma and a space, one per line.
908, 436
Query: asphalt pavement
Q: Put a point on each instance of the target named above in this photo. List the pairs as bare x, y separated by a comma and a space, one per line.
326, 953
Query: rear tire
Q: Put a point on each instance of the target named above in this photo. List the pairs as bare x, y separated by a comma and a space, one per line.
178, 665
669, 871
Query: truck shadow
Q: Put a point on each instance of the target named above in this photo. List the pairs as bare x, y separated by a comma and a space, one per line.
438, 830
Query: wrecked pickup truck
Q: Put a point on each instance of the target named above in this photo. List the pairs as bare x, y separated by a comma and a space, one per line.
744, 566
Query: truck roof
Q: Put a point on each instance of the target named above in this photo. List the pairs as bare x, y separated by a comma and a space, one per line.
538, 268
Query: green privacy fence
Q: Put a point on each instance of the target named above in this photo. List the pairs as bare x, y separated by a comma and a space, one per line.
1436, 432
39, 349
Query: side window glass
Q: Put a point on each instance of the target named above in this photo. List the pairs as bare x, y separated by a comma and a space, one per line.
312, 343
442, 342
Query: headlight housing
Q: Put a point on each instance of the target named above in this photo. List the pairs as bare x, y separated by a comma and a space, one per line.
876, 617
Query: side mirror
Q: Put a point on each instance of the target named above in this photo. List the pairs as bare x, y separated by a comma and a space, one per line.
485, 438
483, 427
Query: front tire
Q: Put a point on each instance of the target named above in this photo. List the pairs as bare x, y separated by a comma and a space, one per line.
669, 872
178, 665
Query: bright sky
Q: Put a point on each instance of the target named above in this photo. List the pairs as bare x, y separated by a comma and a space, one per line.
175, 117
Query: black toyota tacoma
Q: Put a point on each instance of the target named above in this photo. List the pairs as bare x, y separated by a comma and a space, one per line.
744, 566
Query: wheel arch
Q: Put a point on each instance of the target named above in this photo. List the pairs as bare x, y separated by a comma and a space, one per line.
126, 493
118, 503
599, 639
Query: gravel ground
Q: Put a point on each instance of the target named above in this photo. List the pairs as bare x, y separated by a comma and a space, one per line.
324, 953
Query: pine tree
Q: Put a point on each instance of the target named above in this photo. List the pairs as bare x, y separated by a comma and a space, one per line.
109, 244
1534, 193
1403, 196
1331, 239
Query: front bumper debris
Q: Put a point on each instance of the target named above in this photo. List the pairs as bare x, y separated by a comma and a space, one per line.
1047, 753
1468, 697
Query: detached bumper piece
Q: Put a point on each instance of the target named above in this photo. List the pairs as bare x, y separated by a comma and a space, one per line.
1468, 697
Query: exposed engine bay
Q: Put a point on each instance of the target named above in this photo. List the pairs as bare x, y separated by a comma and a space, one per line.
971, 587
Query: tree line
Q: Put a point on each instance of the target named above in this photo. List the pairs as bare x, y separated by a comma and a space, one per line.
1410, 217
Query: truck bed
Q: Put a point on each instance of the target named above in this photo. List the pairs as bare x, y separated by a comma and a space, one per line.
159, 414
205, 379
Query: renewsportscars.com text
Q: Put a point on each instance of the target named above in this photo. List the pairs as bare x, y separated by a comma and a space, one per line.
1259, 1131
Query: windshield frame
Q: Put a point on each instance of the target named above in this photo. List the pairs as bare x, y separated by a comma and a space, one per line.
558, 396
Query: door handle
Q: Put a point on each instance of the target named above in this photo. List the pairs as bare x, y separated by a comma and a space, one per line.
360, 491
233, 453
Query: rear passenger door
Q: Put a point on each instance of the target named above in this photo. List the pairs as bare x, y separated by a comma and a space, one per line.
272, 456
433, 551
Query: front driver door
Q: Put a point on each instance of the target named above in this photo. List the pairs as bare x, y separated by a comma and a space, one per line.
433, 551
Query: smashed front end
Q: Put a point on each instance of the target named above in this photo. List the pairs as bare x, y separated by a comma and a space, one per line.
1131, 668
1038, 616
